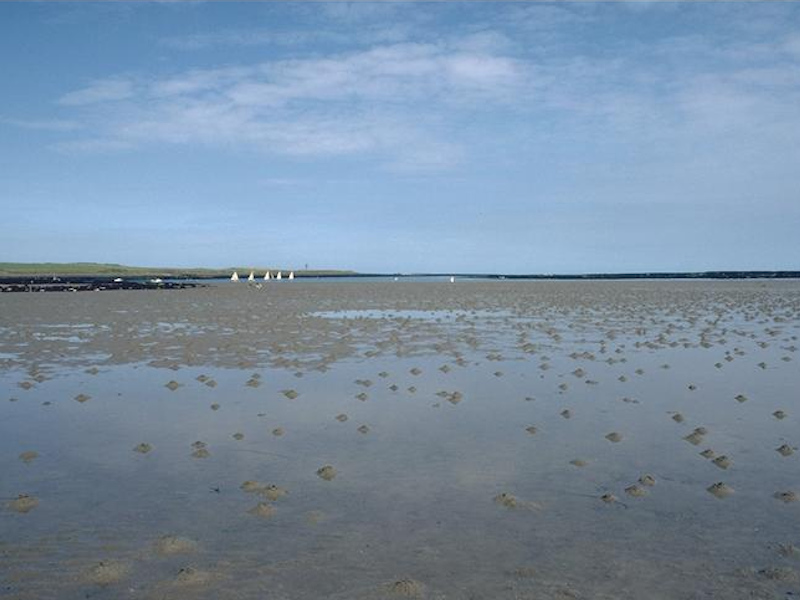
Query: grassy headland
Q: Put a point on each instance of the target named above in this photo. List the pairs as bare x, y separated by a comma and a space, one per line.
89, 269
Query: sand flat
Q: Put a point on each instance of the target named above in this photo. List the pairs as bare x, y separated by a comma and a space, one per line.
419, 486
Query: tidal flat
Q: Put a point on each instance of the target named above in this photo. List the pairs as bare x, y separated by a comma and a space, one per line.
362, 440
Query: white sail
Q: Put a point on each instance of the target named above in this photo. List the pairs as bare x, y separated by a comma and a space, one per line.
251, 277
266, 276
452, 279
291, 275
279, 275
235, 276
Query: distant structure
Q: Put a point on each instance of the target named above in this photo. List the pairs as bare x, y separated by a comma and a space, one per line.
291, 274
279, 275
235, 276
251, 277
266, 276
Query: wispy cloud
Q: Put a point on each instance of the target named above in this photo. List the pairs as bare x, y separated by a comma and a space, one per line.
43, 124
104, 90
410, 105
291, 39
381, 101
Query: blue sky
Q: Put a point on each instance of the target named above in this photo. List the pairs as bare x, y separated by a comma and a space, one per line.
446, 137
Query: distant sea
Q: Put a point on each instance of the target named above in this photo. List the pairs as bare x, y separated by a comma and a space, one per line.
494, 277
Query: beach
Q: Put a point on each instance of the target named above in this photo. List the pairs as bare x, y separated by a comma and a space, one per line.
382, 439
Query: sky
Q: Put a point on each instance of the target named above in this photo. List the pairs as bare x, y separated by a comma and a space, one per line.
520, 137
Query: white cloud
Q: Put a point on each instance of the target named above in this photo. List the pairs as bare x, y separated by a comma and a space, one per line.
409, 106
383, 102
105, 90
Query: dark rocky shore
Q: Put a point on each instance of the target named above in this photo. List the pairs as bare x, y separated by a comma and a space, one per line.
86, 284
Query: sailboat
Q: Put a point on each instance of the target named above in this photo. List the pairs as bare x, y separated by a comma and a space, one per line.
251, 277
235, 276
452, 279
291, 275
266, 276
279, 275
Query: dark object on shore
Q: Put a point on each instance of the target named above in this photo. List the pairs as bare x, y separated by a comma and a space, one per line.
87, 284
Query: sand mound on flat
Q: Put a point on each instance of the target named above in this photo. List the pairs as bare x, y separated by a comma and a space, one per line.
28, 456
787, 496
189, 576
635, 491
406, 588
263, 509
720, 490
106, 573
524, 572
722, 461
273, 492
327, 472
24, 503
647, 480
251, 486
315, 516
508, 500
171, 544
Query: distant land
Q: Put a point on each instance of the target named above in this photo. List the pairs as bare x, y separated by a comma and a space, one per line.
99, 270
91, 270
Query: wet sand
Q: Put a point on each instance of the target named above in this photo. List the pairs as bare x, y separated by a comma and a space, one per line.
386, 440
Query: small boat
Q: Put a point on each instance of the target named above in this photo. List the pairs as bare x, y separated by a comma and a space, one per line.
157, 280
452, 279
235, 276
279, 275
118, 280
266, 276
291, 274
251, 277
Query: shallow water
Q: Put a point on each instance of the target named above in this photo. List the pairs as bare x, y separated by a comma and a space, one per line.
414, 496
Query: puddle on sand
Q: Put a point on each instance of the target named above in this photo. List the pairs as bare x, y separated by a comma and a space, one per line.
419, 464
423, 315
